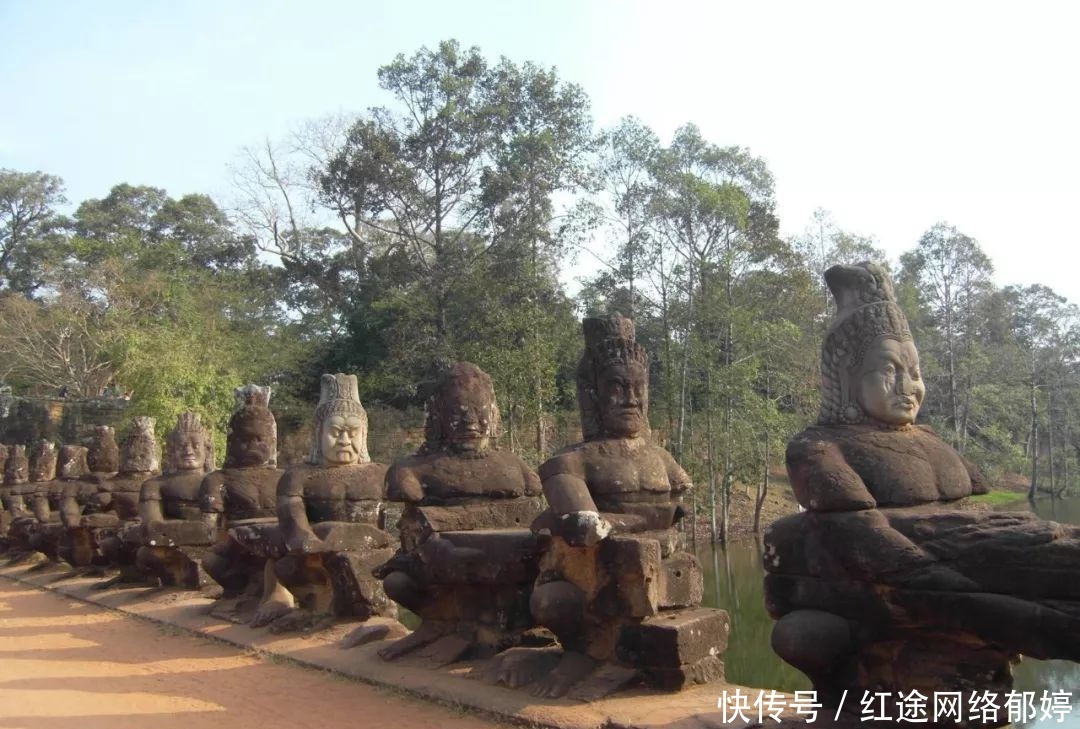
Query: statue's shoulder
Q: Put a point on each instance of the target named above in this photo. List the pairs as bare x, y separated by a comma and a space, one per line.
568, 460
298, 474
815, 440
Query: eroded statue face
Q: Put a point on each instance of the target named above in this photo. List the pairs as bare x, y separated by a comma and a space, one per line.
341, 439
465, 422
190, 452
889, 384
623, 393
250, 445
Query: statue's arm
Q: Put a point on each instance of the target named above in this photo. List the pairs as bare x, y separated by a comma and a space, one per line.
39, 505
292, 517
150, 502
678, 478
822, 479
70, 511
402, 484
212, 501
533, 487
979, 484
566, 492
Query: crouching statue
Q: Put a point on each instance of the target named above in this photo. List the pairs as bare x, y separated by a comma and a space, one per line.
883, 583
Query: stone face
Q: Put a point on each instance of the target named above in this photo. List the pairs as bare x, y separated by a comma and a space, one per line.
611, 566
884, 584
467, 560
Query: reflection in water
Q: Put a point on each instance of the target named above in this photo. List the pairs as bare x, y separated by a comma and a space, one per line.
734, 582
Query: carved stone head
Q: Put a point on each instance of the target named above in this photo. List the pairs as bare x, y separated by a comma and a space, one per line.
102, 453
43, 462
462, 416
341, 424
72, 462
189, 446
17, 469
613, 380
139, 452
869, 363
252, 437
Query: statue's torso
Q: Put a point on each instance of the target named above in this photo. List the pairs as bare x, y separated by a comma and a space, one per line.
341, 493
617, 471
180, 495
246, 493
899, 467
447, 477
124, 488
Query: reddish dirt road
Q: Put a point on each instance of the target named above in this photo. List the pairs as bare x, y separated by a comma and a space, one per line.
69, 665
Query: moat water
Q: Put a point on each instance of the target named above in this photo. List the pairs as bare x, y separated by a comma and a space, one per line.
734, 582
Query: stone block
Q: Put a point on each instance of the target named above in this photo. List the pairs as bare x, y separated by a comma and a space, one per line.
682, 583
178, 533
674, 638
705, 670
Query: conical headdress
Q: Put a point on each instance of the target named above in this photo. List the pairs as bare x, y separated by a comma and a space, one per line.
340, 395
252, 413
72, 462
608, 340
188, 424
140, 451
866, 310
43, 462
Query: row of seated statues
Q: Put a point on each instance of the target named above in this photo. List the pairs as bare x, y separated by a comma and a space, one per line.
573, 580
570, 581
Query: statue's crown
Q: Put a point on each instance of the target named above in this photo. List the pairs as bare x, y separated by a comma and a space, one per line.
611, 340
142, 426
339, 393
252, 395
189, 422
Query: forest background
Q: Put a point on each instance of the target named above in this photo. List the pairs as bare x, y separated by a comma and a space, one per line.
440, 226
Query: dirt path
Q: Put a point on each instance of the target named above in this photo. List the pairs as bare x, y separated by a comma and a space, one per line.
66, 664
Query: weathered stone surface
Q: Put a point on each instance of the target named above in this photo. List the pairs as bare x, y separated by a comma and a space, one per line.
467, 560
244, 492
884, 584
330, 507
612, 562
674, 638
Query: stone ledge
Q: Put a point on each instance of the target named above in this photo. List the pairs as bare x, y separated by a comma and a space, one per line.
694, 708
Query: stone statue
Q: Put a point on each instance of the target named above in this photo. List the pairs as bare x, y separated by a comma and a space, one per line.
330, 515
117, 501
243, 495
467, 559
614, 584
69, 467
40, 531
174, 535
18, 501
884, 583
84, 498
5, 515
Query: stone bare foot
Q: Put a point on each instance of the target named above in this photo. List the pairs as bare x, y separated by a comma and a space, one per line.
519, 667
573, 667
299, 620
271, 610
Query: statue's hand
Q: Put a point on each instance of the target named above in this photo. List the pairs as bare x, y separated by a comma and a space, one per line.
583, 528
305, 543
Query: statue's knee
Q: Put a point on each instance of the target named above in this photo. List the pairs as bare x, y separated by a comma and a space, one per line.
813, 641
403, 590
558, 605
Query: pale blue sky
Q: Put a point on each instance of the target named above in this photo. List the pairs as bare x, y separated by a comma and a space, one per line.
891, 115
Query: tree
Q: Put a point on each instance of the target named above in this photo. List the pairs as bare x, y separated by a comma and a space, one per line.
28, 225
952, 274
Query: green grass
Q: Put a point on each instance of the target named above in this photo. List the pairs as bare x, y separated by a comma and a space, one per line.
998, 498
